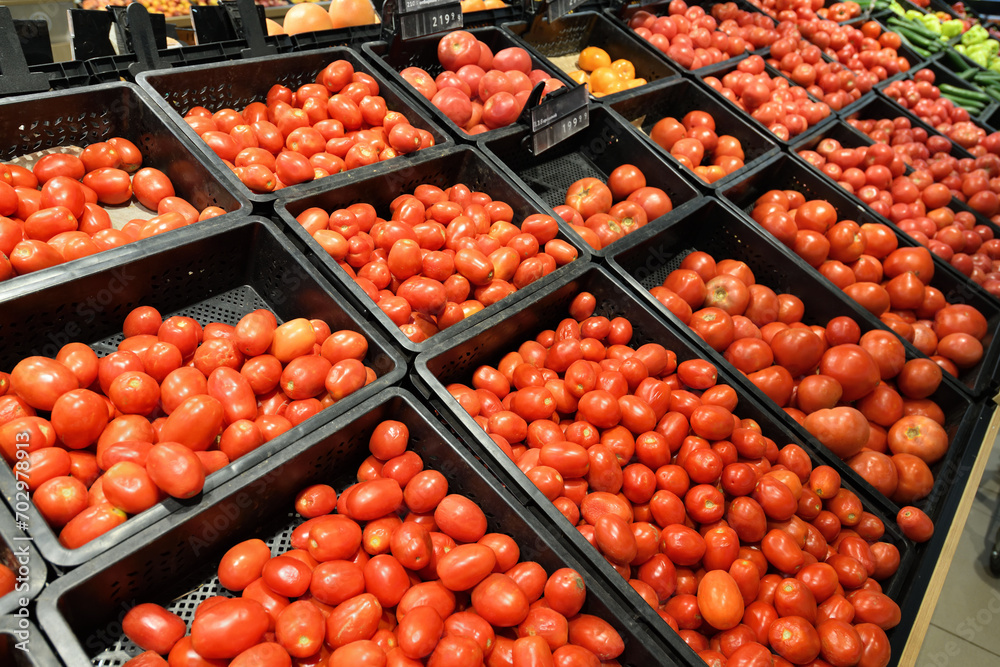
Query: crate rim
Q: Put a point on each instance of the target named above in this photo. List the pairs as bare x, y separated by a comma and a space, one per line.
15, 538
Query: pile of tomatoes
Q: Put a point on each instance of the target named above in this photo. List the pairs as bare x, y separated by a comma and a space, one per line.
782, 108
924, 100
693, 141
893, 283
739, 544
478, 90
603, 77
867, 49
803, 10
54, 212
694, 39
372, 588
856, 393
831, 82
919, 206
442, 256
601, 213
339, 122
95, 440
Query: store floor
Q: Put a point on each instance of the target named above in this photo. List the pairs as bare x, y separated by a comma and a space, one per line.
965, 628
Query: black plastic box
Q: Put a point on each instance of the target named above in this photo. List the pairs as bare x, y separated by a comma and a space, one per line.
17, 552
238, 83
486, 344
35, 653
677, 98
459, 164
177, 565
571, 33
790, 173
216, 271
86, 115
596, 151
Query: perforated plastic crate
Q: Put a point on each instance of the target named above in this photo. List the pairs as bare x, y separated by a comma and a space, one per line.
391, 59
19, 554
488, 342
81, 116
563, 39
677, 98
645, 261
216, 272
236, 84
790, 173
459, 164
81, 611
606, 144
36, 652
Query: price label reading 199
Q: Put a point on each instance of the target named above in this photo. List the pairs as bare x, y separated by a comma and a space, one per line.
430, 20
561, 129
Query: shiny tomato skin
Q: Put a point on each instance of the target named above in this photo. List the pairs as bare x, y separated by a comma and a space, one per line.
229, 628
154, 628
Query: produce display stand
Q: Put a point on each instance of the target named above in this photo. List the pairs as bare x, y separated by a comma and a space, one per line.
259, 256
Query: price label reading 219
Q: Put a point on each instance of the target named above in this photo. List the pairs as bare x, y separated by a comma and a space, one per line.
417, 19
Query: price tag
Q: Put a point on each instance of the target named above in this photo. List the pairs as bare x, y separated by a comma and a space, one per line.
558, 118
426, 17
559, 8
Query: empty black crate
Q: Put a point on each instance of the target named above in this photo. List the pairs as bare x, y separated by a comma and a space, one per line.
461, 164
788, 173
82, 116
217, 271
677, 98
81, 612
645, 261
391, 59
572, 33
596, 151
237, 84
19, 554
491, 340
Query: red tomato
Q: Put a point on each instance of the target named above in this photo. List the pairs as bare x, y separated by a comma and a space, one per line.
153, 628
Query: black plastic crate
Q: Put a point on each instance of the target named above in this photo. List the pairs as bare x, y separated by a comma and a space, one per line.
238, 83
217, 271
177, 566
676, 99
720, 70
596, 151
851, 137
790, 173
391, 59
881, 106
458, 164
646, 261
625, 12
572, 33
17, 552
437, 368
82, 116
35, 653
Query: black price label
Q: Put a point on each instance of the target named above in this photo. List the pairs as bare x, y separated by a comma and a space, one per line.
558, 118
426, 17
559, 8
